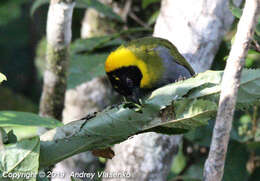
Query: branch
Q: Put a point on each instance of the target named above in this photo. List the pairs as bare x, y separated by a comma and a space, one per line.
214, 165
58, 40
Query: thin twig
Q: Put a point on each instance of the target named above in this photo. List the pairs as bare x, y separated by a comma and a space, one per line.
126, 9
138, 20
257, 46
214, 166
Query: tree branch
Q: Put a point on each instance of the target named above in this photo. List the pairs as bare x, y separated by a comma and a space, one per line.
58, 40
214, 165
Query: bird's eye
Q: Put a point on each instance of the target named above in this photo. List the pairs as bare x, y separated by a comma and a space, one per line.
115, 77
129, 82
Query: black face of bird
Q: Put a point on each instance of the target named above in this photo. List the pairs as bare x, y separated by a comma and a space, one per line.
125, 80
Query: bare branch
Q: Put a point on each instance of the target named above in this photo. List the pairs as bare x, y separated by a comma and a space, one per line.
58, 39
214, 165
138, 20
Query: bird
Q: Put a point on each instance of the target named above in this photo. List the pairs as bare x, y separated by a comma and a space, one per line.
145, 64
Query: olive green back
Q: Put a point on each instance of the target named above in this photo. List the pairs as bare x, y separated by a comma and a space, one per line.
147, 45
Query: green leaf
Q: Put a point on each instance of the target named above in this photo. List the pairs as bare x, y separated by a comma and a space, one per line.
2, 77
249, 62
94, 43
21, 158
153, 18
248, 93
146, 3
15, 118
237, 12
106, 10
252, 52
192, 113
209, 82
36, 4
85, 67
179, 161
91, 44
22, 132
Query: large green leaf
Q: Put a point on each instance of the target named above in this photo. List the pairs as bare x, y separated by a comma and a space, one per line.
94, 43
2, 77
192, 113
248, 93
187, 104
25, 124
91, 44
22, 132
20, 159
15, 118
85, 67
